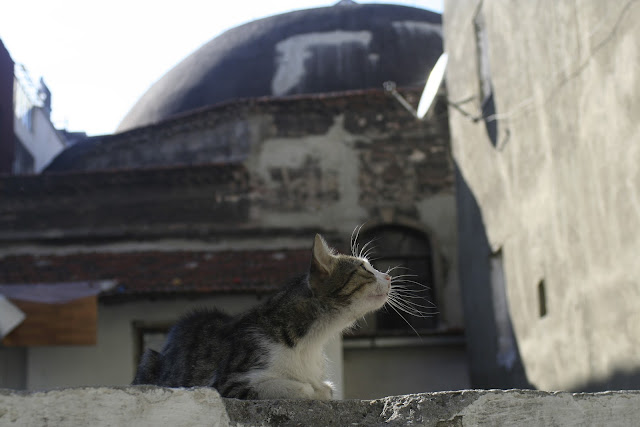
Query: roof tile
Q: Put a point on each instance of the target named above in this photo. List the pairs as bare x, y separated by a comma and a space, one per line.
162, 273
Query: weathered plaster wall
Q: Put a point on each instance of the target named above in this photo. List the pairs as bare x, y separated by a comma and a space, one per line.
151, 406
558, 188
316, 160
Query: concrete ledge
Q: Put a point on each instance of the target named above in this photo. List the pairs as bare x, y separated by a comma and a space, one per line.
152, 406
113, 406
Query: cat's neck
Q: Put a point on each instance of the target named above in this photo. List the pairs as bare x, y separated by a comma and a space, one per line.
300, 320
325, 328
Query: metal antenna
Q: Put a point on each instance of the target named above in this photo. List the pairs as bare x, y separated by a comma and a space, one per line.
434, 81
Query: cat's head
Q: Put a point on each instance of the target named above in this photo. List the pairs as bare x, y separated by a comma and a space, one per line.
347, 282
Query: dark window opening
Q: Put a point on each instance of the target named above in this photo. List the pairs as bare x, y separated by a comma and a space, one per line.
148, 336
487, 104
542, 299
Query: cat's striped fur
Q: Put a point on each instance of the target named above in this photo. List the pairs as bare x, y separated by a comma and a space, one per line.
274, 350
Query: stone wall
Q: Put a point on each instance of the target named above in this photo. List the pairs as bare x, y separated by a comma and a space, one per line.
202, 406
552, 179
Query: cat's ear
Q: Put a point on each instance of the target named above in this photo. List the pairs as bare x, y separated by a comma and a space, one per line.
321, 256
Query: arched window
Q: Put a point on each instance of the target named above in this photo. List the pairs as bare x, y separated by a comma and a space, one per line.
410, 251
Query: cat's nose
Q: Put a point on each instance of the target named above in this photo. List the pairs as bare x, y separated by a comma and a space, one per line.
387, 277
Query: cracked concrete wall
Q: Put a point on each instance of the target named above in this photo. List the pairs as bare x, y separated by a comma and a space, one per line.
152, 406
555, 176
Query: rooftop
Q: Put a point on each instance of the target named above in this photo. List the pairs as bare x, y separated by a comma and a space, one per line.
329, 49
157, 274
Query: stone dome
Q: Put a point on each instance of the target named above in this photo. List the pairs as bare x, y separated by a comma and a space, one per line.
347, 46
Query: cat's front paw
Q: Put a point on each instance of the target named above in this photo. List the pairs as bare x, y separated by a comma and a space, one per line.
323, 391
306, 391
280, 388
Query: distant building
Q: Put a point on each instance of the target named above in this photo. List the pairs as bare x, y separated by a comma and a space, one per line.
37, 140
29, 143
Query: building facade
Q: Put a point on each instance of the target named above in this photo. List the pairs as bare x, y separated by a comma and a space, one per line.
547, 190
37, 141
28, 139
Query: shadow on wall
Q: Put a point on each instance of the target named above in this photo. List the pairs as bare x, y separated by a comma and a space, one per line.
620, 380
495, 360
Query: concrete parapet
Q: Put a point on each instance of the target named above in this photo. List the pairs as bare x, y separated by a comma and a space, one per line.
147, 406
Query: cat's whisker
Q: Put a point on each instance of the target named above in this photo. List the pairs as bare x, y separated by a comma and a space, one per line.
406, 280
354, 240
421, 311
415, 305
412, 282
403, 318
365, 251
355, 247
408, 298
407, 289
409, 286
409, 293
408, 302
408, 309
368, 257
371, 249
390, 269
404, 275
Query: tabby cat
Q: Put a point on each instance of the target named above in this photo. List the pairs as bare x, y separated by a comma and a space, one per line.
274, 350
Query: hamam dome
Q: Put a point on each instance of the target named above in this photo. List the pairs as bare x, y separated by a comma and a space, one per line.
343, 47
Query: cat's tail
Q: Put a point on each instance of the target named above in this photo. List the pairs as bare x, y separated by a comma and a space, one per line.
148, 369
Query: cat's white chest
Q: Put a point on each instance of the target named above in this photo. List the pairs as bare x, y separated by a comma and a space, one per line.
304, 363
292, 373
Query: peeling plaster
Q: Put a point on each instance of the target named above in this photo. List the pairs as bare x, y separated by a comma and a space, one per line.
292, 53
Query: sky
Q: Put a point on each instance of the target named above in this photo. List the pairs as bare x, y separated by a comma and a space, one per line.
98, 58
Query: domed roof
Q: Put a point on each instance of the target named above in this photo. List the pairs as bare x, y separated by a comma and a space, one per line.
343, 47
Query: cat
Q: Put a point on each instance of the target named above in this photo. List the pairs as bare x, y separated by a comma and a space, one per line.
275, 350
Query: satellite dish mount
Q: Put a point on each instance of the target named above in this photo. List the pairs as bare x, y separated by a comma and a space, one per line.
434, 81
